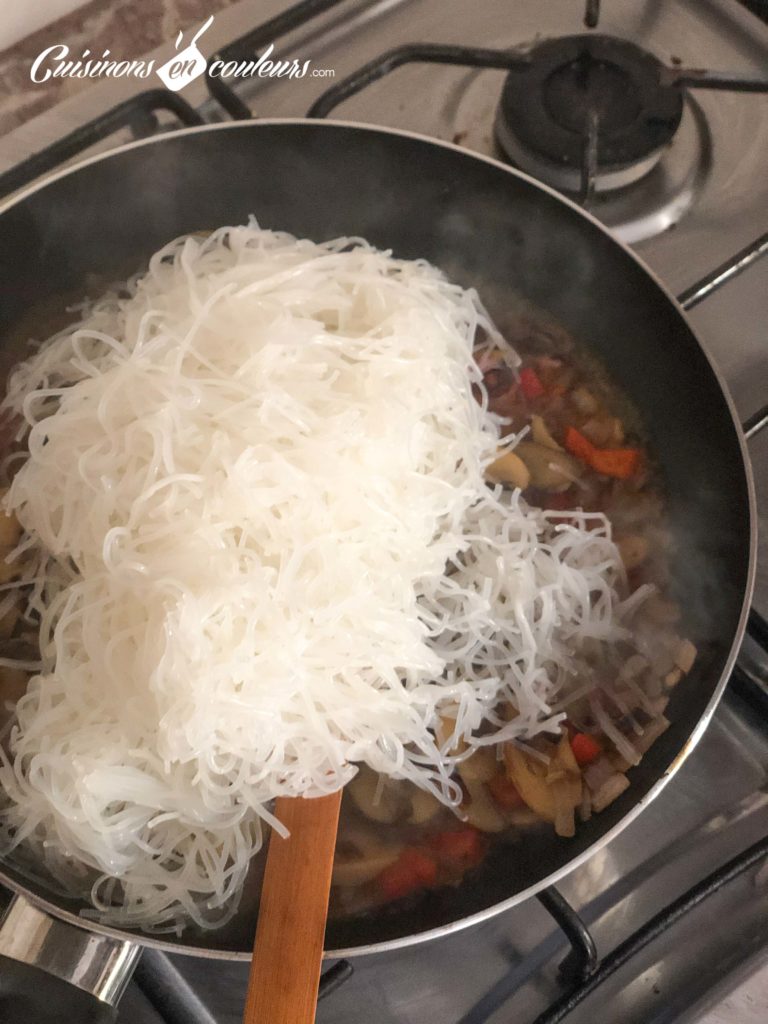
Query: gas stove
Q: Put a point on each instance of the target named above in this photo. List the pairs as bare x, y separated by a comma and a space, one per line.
653, 115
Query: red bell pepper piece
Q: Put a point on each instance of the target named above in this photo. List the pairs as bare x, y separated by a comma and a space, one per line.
461, 847
412, 870
504, 792
585, 748
620, 463
578, 445
530, 384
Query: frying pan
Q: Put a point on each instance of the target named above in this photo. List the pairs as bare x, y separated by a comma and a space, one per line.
521, 245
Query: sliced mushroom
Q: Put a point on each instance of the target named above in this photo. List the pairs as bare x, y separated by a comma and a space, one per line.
549, 470
424, 806
530, 777
541, 435
567, 794
350, 870
565, 755
481, 766
480, 810
509, 468
446, 727
377, 798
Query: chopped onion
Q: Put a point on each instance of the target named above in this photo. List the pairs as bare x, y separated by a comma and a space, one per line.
614, 734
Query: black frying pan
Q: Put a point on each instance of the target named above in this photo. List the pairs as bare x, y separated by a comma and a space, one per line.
487, 226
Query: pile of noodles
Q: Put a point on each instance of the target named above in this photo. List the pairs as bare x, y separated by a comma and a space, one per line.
260, 549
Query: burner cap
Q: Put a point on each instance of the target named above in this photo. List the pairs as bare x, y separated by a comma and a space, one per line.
546, 105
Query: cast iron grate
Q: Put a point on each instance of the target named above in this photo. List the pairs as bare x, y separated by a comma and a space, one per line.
600, 971
247, 45
138, 114
594, 138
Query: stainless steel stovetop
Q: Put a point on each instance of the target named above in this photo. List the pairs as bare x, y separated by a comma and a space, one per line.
706, 199
506, 970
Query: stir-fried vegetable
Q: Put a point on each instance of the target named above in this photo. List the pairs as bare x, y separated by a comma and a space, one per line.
480, 810
621, 463
586, 749
510, 469
462, 847
400, 840
412, 870
575, 454
362, 863
530, 384
549, 470
505, 792
551, 786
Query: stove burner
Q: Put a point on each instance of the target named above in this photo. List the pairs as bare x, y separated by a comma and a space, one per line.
587, 99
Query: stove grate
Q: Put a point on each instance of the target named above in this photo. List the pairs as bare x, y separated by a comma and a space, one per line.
414, 53
590, 168
722, 275
138, 113
658, 924
581, 962
247, 45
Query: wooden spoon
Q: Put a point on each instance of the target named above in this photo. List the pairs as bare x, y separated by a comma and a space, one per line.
288, 948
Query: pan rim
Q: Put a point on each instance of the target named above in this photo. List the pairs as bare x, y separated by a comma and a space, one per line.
553, 878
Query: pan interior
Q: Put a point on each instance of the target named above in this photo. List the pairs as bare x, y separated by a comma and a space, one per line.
485, 227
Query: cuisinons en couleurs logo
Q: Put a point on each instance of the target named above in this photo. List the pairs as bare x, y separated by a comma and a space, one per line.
183, 67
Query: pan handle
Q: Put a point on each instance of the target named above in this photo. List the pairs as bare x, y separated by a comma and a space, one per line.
52, 971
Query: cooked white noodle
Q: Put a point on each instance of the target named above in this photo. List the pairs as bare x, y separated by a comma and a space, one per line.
262, 552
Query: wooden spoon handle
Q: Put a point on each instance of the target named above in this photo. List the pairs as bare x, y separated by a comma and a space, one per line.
288, 948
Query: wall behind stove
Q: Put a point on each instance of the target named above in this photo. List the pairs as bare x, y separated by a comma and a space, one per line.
129, 28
